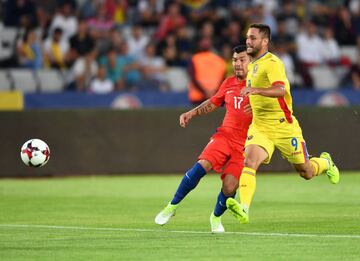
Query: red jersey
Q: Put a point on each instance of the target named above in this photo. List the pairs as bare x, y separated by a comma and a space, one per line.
236, 122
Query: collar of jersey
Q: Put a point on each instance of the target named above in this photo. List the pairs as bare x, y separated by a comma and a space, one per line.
260, 57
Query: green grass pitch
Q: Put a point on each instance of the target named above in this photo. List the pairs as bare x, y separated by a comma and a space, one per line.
112, 218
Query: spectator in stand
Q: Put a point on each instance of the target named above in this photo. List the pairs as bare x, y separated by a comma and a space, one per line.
65, 20
116, 10
289, 19
309, 51
183, 46
89, 8
115, 39
149, 12
137, 41
152, 68
234, 34
356, 20
114, 68
55, 50
48, 5
302, 10
207, 70
345, 33
270, 6
355, 74
331, 49
101, 84
44, 21
20, 13
131, 67
281, 50
261, 16
29, 51
283, 36
167, 49
101, 24
170, 21
321, 14
81, 43
206, 31
84, 70
227, 55
121, 68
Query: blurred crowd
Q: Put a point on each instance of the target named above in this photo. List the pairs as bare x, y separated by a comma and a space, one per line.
106, 45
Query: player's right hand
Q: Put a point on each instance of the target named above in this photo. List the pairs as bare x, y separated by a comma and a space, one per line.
185, 119
248, 109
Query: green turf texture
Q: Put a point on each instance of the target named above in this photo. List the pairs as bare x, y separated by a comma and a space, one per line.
282, 204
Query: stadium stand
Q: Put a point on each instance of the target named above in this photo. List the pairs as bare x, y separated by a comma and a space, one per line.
224, 23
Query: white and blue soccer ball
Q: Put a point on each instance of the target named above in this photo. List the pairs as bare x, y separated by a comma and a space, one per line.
35, 153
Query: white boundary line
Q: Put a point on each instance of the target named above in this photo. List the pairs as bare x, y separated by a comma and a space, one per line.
261, 234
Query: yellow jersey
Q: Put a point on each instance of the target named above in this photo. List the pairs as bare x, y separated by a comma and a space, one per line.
264, 72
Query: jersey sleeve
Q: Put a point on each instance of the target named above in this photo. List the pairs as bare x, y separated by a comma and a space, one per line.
219, 97
276, 72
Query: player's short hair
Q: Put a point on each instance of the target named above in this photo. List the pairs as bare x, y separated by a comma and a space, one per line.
264, 29
239, 48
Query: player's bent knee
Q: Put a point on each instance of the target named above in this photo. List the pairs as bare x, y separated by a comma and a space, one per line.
254, 156
251, 162
205, 164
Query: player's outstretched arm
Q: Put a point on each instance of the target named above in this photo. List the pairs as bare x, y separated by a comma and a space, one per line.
204, 108
274, 91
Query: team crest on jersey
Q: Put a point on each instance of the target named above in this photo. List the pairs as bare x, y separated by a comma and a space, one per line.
256, 67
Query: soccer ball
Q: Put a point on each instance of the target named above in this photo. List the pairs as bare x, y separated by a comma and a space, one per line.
35, 153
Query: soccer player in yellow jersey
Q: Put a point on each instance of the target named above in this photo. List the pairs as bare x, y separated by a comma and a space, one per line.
273, 125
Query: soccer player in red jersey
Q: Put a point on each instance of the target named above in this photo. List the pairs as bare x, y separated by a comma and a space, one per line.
224, 152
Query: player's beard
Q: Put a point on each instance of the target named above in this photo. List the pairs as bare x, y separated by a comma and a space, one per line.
254, 52
239, 74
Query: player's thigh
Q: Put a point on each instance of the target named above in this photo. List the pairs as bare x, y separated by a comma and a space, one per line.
217, 152
293, 148
259, 139
235, 164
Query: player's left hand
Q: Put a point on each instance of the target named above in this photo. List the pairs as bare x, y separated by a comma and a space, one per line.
185, 118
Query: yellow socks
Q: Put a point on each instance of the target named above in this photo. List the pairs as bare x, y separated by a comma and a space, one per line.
320, 165
247, 186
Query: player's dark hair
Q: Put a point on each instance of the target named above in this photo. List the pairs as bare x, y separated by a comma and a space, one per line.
264, 29
239, 48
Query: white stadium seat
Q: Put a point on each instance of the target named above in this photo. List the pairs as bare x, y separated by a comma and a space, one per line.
324, 78
5, 84
177, 78
350, 52
50, 81
23, 80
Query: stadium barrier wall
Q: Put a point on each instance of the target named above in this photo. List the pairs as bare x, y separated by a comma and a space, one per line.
95, 142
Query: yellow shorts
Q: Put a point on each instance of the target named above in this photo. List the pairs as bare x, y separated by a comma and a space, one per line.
289, 141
